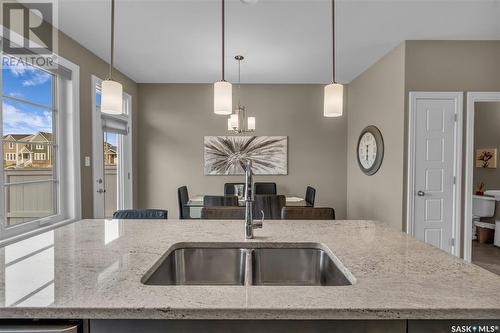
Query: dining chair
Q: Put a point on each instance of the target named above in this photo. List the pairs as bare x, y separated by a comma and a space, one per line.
265, 188
220, 200
270, 205
307, 213
183, 196
223, 213
310, 196
234, 188
141, 214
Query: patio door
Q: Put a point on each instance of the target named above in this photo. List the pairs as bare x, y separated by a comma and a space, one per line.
112, 157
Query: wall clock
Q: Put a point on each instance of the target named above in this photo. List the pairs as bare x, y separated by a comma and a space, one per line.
370, 150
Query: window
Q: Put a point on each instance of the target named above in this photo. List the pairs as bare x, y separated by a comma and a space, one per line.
39, 157
39, 184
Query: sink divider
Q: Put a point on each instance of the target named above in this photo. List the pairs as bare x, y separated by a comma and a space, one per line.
248, 267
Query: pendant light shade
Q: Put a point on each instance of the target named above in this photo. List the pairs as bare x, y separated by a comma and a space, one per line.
111, 100
112, 91
223, 98
334, 100
251, 123
334, 92
223, 90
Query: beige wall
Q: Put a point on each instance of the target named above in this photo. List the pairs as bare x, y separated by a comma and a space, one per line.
427, 66
174, 119
376, 97
90, 65
452, 66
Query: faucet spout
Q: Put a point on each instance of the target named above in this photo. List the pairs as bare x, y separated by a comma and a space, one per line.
249, 199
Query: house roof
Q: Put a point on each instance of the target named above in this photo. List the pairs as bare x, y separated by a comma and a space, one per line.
29, 137
16, 137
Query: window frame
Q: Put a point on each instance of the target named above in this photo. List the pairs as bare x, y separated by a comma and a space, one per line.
65, 153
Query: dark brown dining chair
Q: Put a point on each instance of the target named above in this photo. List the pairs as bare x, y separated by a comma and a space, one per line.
310, 196
220, 200
223, 213
183, 197
232, 188
140, 214
270, 205
265, 188
307, 213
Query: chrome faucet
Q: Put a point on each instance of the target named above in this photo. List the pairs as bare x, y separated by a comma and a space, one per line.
250, 224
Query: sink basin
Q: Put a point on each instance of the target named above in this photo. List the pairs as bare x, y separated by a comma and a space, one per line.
255, 264
295, 267
200, 266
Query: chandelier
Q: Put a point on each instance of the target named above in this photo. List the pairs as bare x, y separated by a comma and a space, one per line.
238, 122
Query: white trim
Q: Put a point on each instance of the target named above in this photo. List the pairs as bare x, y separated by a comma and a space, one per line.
472, 98
457, 193
97, 150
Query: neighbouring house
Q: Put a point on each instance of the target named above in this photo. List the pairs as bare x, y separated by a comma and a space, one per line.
110, 155
28, 151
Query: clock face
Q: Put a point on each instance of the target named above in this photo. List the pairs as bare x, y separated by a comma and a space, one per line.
370, 150
367, 150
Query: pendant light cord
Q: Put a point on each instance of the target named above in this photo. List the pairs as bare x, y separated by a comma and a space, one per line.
223, 37
239, 83
333, 41
112, 39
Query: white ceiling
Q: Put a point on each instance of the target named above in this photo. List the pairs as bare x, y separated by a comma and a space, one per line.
284, 41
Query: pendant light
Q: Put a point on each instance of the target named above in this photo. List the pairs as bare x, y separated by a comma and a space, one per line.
112, 91
238, 122
223, 90
334, 92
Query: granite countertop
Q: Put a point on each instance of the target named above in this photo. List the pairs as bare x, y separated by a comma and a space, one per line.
92, 269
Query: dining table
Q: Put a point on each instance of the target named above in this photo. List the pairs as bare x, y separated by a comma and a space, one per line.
195, 203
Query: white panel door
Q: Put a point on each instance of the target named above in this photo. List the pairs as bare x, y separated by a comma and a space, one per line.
435, 169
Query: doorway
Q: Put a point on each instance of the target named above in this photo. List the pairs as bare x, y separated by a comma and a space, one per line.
482, 181
112, 156
434, 166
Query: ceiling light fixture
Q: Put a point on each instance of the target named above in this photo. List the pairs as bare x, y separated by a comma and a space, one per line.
223, 90
111, 91
334, 92
238, 122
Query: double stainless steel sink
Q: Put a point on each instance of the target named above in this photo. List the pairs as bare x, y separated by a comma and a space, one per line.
280, 265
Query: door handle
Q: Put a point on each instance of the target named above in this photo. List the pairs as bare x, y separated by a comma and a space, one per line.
420, 193
100, 191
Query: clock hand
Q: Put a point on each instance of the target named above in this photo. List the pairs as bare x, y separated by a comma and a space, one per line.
366, 152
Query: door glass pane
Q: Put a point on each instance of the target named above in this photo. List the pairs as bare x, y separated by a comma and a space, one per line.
110, 173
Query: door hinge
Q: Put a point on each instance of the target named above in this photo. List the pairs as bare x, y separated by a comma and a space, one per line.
454, 180
455, 117
452, 241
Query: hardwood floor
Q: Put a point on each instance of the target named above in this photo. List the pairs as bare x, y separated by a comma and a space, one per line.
486, 256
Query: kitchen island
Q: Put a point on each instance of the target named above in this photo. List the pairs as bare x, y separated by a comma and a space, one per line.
92, 269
